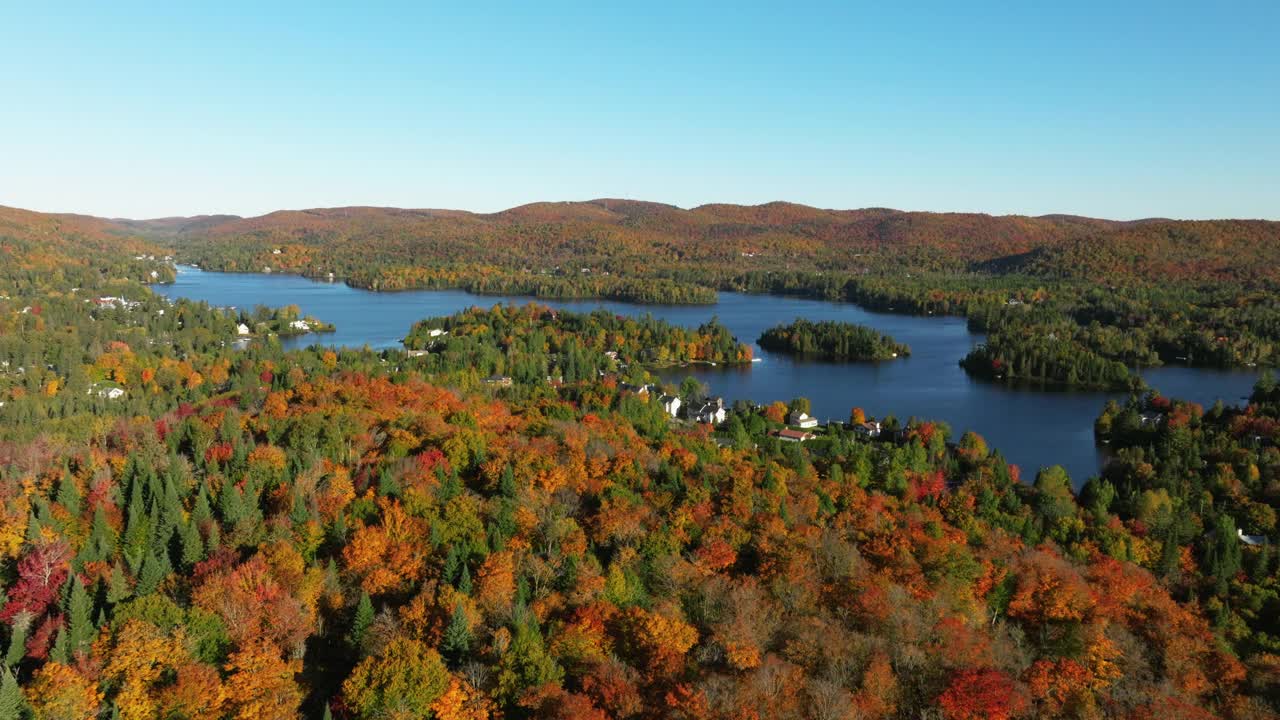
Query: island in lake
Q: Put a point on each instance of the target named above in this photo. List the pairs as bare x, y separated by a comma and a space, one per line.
832, 340
530, 343
1046, 357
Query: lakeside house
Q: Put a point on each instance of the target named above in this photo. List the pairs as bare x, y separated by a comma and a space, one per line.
869, 429
638, 389
1253, 540
1151, 419
113, 303
242, 329
789, 435
671, 404
300, 325
712, 412
802, 420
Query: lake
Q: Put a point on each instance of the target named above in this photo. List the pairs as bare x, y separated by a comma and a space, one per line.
1033, 427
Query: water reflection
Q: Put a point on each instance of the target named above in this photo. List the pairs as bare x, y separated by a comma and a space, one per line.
1032, 426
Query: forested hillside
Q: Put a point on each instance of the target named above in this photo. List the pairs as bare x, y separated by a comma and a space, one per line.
253, 533
379, 246
1212, 285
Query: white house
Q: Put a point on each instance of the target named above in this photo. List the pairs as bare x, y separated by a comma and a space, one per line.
803, 420
114, 393
242, 329
712, 412
300, 325
1251, 539
870, 429
670, 403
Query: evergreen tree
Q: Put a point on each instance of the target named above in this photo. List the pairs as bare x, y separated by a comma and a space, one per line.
362, 620
13, 706
457, 636
192, 545
507, 486
69, 494
60, 652
464, 581
155, 569
451, 565
80, 627
17, 642
137, 532
202, 511
102, 538
118, 588
230, 504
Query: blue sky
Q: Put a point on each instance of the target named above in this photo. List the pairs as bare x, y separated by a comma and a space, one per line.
142, 110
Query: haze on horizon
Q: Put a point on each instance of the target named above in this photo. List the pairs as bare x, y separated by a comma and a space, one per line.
139, 111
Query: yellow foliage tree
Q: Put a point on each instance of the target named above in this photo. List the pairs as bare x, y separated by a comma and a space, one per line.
260, 684
58, 692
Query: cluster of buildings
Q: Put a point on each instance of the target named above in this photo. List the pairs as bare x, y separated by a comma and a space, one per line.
114, 303
801, 423
711, 410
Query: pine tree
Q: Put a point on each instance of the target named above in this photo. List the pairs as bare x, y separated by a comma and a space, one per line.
13, 706
192, 545
118, 588
230, 504
203, 510
464, 581
507, 486
60, 652
328, 714
457, 636
33, 528
17, 642
69, 494
102, 538
137, 529
80, 627
363, 619
451, 564
154, 570
213, 541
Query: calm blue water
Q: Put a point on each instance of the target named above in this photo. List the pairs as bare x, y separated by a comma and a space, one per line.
1032, 427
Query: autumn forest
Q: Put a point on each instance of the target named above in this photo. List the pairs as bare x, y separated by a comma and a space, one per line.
508, 519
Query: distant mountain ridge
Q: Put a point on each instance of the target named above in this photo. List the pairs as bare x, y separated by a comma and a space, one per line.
631, 235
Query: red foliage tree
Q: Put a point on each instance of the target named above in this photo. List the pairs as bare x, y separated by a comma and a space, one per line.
982, 694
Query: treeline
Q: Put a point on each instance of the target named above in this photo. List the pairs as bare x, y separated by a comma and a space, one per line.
551, 286
832, 340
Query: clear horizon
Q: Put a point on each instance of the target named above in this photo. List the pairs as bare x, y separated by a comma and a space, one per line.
140, 111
